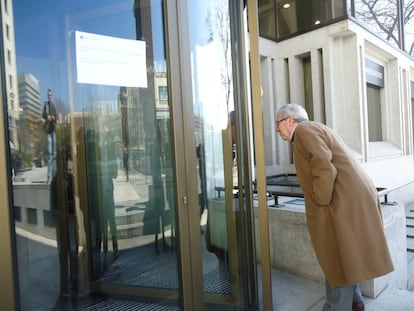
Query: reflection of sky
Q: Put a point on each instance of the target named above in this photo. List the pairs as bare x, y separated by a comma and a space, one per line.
207, 66
44, 35
198, 22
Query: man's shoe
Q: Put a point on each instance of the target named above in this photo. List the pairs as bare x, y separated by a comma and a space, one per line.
358, 306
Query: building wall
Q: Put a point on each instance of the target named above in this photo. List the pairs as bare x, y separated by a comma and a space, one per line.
10, 69
338, 56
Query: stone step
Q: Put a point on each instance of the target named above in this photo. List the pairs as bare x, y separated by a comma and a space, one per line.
409, 222
410, 232
410, 245
129, 217
129, 230
410, 271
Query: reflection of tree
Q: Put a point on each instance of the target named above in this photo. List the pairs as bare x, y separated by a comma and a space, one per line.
218, 25
382, 16
409, 25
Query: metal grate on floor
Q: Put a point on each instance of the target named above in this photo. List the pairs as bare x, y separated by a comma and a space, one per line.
125, 305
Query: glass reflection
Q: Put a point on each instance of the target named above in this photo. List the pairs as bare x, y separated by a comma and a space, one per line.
381, 17
217, 172
408, 26
93, 199
295, 16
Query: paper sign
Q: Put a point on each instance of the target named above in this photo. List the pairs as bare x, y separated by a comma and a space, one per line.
110, 61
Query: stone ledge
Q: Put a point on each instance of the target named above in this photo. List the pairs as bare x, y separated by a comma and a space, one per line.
292, 251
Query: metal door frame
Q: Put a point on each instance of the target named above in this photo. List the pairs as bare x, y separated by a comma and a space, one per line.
8, 294
183, 122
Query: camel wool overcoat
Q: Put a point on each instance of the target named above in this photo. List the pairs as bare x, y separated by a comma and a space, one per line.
342, 207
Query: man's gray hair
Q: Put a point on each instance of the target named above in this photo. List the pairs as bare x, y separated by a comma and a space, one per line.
296, 111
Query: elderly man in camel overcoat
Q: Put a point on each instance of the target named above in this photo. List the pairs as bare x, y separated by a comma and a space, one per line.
342, 208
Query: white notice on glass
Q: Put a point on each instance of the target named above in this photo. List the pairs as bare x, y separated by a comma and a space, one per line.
110, 61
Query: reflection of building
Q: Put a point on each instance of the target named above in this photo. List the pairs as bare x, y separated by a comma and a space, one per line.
31, 111
29, 94
161, 95
130, 107
10, 70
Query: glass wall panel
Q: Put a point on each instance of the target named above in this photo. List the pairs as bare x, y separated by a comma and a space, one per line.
267, 18
93, 187
381, 17
408, 13
215, 136
301, 15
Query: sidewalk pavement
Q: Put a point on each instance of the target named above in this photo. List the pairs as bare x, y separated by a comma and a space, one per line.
292, 293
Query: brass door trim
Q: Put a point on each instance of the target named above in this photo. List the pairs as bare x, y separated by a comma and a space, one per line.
7, 271
189, 248
253, 24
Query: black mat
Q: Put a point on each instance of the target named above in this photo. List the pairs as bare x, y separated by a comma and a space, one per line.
145, 267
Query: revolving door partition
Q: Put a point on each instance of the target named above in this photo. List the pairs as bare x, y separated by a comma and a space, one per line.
143, 137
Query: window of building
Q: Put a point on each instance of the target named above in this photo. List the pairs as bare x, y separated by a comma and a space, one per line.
267, 19
374, 74
48, 219
307, 77
7, 32
32, 216
6, 6
17, 213
412, 104
374, 113
9, 57
163, 92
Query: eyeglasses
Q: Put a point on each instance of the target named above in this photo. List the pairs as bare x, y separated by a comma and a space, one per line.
278, 121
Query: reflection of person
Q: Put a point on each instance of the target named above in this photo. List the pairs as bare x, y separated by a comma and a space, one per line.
108, 171
219, 223
62, 204
49, 115
202, 187
101, 167
342, 208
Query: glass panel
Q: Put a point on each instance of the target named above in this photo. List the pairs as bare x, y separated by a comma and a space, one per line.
267, 18
94, 193
408, 19
299, 15
381, 17
215, 138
